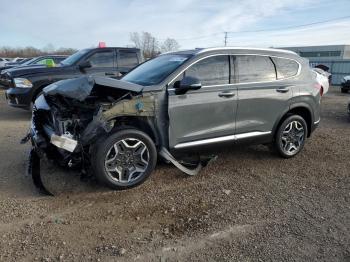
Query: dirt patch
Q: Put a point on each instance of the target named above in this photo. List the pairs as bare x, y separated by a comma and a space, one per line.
248, 205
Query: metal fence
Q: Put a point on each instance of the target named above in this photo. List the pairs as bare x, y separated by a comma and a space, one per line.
338, 68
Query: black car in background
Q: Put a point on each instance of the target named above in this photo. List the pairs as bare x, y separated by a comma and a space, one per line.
40, 60
25, 83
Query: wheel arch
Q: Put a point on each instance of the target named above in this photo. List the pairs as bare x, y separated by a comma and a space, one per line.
142, 123
300, 109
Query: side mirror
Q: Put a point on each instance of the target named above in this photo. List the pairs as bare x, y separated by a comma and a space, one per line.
187, 83
84, 65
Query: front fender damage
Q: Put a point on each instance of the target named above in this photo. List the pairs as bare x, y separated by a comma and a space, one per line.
71, 137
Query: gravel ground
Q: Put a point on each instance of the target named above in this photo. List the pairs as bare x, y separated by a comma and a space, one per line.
248, 205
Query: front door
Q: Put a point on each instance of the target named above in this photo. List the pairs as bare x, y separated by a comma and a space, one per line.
207, 115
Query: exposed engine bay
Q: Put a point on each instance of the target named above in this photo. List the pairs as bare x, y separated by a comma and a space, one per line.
71, 116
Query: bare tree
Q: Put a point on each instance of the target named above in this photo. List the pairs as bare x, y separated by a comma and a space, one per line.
30, 51
170, 44
146, 42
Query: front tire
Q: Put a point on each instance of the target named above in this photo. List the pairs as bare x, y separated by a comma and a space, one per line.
124, 159
291, 135
343, 90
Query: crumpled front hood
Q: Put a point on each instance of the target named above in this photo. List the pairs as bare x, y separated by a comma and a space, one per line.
81, 87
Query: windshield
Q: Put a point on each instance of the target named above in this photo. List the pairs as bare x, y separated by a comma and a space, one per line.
24, 61
70, 60
155, 70
29, 62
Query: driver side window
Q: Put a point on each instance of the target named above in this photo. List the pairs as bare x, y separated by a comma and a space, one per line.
213, 70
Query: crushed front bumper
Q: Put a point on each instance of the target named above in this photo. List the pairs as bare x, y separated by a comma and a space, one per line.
34, 172
43, 137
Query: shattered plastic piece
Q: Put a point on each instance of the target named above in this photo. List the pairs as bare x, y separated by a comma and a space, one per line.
192, 172
25, 139
40, 103
64, 142
34, 172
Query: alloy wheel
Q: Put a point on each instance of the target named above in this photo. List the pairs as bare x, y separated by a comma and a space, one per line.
293, 137
127, 160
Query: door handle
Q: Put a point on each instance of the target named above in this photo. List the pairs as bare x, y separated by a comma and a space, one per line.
109, 74
226, 94
282, 89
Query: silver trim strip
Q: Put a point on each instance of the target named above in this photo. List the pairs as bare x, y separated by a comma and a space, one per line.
318, 121
252, 134
248, 49
221, 139
297, 74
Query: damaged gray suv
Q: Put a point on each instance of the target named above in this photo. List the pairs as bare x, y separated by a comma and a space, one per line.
177, 106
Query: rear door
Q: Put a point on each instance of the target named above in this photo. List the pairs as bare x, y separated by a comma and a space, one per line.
203, 116
126, 60
261, 98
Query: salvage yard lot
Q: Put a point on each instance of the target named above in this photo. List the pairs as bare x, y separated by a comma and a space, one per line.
248, 205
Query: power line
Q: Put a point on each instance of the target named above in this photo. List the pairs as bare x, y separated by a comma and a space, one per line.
290, 27
262, 30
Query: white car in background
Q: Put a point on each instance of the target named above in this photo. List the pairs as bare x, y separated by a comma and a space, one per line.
2, 61
322, 78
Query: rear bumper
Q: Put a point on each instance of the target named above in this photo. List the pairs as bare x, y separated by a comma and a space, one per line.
19, 97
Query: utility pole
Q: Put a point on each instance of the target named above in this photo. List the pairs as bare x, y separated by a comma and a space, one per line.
225, 38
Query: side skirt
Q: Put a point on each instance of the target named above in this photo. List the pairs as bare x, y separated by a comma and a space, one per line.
215, 140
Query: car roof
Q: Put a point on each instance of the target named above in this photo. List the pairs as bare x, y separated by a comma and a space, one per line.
112, 47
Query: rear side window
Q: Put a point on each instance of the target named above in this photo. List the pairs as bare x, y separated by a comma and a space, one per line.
285, 67
127, 59
102, 59
213, 70
253, 68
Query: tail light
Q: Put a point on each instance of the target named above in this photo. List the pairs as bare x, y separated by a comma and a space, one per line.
319, 88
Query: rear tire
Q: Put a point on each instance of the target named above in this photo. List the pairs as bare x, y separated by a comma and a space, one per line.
124, 159
343, 90
291, 135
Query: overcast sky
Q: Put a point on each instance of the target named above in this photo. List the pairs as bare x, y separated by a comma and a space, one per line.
194, 23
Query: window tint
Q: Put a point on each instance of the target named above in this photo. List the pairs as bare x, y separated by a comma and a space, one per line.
211, 71
127, 59
252, 68
102, 59
285, 67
